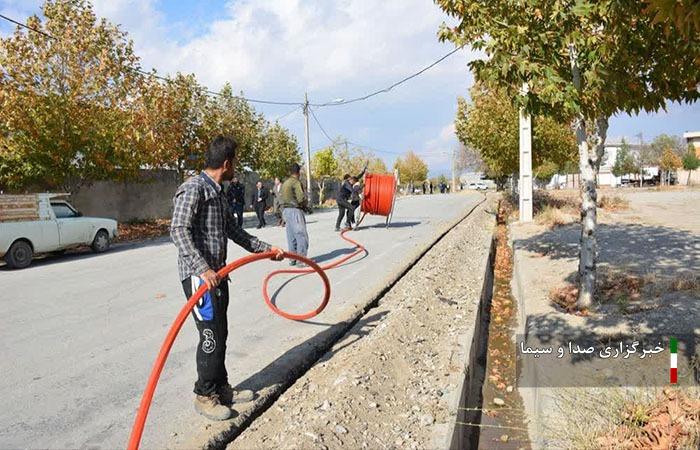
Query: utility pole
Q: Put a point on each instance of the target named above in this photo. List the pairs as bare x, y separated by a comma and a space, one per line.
308, 150
525, 163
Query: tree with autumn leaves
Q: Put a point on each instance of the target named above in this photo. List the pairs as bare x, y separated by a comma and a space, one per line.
489, 125
412, 169
581, 59
75, 107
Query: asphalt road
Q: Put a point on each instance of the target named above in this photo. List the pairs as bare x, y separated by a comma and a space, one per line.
79, 333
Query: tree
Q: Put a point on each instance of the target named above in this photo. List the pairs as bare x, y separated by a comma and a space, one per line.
624, 161
690, 161
65, 102
323, 167
658, 149
489, 125
169, 123
280, 150
682, 15
233, 116
582, 59
669, 162
412, 169
351, 160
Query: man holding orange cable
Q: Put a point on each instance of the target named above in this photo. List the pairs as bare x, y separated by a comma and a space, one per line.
200, 227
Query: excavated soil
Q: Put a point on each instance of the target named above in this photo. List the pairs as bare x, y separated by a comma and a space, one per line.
393, 380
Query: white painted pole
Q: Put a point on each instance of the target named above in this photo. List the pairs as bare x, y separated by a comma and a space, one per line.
525, 163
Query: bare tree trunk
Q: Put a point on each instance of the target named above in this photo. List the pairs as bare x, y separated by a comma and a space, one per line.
590, 155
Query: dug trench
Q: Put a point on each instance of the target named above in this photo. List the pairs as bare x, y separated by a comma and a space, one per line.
403, 373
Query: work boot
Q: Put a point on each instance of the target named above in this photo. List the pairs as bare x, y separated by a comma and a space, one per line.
211, 408
229, 396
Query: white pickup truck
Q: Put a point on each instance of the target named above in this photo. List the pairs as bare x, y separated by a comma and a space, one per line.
44, 223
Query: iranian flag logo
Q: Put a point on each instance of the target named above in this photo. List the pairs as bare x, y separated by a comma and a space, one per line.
674, 360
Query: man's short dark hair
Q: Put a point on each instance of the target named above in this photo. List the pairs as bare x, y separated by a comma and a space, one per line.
221, 149
346, 176
294, 169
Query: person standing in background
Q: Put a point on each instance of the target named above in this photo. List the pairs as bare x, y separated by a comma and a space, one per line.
236, 200
354, 198
276, 201
293, 204
260, 203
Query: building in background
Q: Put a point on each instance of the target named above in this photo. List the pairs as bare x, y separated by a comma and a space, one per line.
693, 137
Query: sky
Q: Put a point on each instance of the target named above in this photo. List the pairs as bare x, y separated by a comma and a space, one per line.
280, 49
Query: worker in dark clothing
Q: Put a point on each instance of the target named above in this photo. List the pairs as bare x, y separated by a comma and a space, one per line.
344, 205
354, 198
236, 200
431, 187
260, 203
200, 229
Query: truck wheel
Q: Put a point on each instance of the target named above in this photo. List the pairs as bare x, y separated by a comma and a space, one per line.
101, 242
20, 255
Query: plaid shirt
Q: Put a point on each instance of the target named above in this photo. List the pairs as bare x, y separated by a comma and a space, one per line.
201, 223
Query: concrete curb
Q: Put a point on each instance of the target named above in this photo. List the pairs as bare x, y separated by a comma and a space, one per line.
308, 353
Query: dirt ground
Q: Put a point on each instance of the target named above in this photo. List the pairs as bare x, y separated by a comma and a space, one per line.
649, 261
393, 381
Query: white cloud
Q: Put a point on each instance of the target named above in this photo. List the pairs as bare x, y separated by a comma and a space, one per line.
438, 151
286, 46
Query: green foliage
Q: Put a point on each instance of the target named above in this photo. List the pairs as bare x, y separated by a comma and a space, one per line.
690, 159
627, 62
624, 161
279, 151
489, 125
324, 164
683, 15
545, 171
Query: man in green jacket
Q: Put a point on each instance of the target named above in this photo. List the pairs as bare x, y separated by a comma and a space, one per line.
293, 204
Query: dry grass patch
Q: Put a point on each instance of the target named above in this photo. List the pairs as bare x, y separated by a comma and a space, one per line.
629, 419
613, 203
554, 217
630, 292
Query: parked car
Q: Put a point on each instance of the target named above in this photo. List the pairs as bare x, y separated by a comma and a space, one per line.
44, 223
479, 186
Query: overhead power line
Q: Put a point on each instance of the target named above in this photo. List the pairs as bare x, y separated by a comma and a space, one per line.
387, 89
330, 139
273, 102
151, 74
335, 141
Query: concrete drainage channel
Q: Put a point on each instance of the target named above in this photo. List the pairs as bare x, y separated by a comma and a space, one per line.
299, 361
471, 398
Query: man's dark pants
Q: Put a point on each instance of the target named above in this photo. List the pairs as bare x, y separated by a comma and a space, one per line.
344, 209
260, 212
238, 212
212, 324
